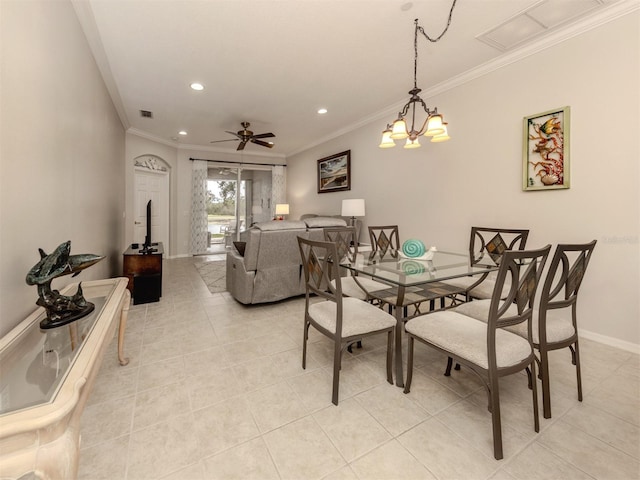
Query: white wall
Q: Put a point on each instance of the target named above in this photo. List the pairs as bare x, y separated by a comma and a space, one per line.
439, 191
62, 145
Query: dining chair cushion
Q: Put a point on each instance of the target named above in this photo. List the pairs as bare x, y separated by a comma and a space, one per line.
482, 291
466, 338
559, 326
485, 289
462, 282
358, 317
351, 289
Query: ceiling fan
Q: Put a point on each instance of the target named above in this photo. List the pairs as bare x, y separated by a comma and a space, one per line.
245, 136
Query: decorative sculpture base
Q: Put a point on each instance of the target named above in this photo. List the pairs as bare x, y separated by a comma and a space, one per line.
62, 309
67, 318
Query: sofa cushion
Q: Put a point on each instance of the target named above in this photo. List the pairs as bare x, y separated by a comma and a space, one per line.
324, 222
280, 225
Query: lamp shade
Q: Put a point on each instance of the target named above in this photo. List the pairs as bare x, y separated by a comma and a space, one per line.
282, 209
387, 141
353, 207
441, 137
412, 143
434, 126
399, 130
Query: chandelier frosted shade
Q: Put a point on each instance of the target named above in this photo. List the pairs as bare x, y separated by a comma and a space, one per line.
387, 141
399, 130
442, 137
435, 126
412, 143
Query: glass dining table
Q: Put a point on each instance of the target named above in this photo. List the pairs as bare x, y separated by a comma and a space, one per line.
415, 283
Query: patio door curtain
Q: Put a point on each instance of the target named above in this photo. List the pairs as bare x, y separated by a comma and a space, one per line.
199, 221
278, 187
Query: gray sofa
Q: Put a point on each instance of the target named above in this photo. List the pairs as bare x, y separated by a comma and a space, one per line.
270, 269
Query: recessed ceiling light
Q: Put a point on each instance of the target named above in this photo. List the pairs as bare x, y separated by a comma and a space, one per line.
322, 111
197, 86
182, 132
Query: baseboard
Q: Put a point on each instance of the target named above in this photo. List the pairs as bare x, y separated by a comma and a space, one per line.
611, 341
184, 255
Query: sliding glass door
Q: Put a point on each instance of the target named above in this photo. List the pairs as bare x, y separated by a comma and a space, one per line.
236, 199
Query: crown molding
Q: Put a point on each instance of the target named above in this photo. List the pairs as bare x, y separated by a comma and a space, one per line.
200, 148
90, 28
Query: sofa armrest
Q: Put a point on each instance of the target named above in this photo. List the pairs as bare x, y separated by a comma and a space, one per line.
239, 279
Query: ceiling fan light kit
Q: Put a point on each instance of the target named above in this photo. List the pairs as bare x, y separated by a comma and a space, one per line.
245, 136
434, 125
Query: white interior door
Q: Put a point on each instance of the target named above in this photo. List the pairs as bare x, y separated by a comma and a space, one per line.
155, 187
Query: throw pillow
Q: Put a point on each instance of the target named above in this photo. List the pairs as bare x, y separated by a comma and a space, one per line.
324, 222
240, 246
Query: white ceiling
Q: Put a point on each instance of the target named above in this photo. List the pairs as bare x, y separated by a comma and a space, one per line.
274, 63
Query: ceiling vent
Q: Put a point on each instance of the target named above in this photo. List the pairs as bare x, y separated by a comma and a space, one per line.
146, 114
536, 20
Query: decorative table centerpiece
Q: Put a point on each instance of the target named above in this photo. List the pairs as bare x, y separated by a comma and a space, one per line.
416, 250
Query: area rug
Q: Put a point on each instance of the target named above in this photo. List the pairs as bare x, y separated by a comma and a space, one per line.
214, 275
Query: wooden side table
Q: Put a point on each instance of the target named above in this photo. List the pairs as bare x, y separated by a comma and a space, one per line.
144, 271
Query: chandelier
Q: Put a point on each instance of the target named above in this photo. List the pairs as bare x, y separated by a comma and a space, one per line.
434, 125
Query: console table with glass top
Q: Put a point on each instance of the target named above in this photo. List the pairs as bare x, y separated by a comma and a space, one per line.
413, 281
46, 377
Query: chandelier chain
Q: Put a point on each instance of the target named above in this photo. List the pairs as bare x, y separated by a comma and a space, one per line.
426, 35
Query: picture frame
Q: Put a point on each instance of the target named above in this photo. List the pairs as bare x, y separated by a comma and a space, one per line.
545, 153
334, 173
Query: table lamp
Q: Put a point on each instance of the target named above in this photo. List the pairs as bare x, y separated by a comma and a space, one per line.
353, 207
282, 209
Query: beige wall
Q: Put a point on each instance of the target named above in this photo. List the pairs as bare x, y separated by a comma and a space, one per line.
62, 145
439, 191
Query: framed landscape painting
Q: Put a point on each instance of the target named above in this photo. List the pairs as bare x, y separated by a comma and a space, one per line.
545, 162
334, 173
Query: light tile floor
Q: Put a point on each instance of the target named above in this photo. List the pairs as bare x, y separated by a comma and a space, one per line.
215, 390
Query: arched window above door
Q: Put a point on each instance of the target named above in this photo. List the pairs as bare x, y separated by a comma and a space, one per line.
152, 163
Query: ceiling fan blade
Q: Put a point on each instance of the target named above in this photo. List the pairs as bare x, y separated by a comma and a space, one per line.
260, 142
241, 146
264, 135
230, 140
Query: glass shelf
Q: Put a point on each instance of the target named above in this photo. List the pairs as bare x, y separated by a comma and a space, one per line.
35, 364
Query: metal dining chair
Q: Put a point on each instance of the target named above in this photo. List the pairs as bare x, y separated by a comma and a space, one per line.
342, 319
354, 286
384, 238
554, 327
488, 242
486, 347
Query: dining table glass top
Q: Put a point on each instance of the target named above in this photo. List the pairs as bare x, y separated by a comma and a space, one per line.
392, 267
